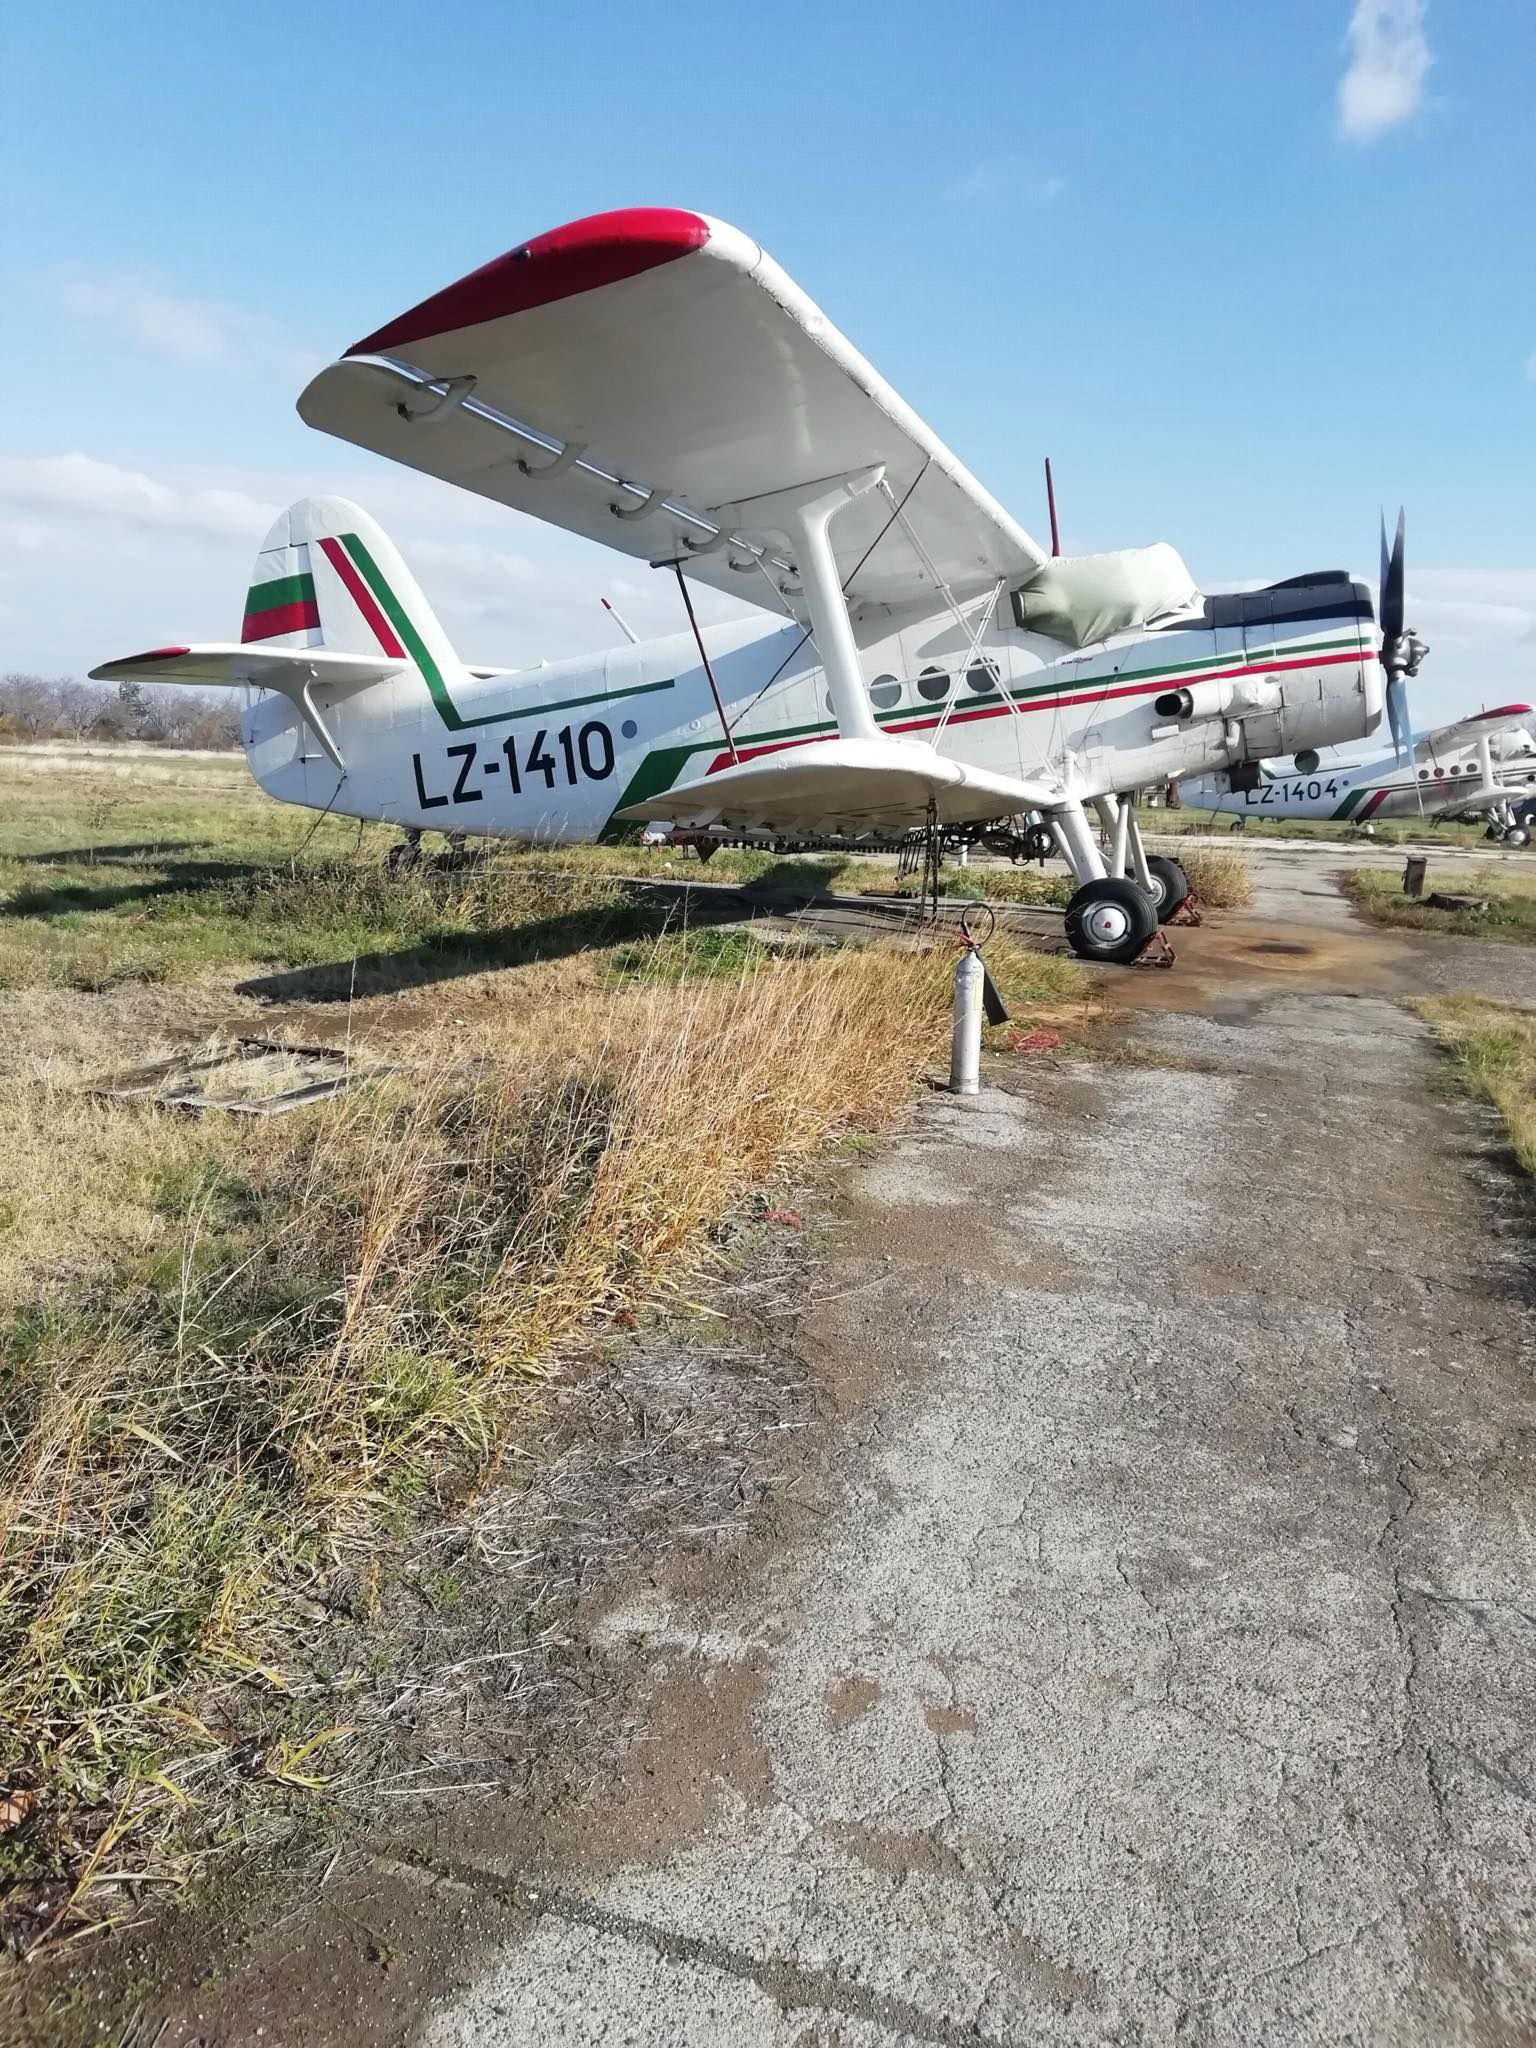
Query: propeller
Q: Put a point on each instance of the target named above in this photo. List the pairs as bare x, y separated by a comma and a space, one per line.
1402, 650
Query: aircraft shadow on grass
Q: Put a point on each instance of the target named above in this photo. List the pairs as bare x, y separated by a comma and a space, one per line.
179, 877
649, 910
89, 856
655, 910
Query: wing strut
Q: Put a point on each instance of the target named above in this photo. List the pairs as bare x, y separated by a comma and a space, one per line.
698, 641
804, 513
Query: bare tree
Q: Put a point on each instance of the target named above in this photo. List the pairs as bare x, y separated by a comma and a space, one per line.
36, 707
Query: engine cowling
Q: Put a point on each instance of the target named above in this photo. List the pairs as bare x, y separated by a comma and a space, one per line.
1237, 697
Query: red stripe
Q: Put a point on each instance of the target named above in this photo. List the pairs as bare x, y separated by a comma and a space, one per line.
1376, 797
1156, 689
284, 618
580, 257
362, 597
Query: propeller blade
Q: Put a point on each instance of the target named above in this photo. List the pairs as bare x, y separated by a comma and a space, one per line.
1391, 618
1398, 719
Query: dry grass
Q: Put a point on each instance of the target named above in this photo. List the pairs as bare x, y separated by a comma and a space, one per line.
1494, 1048
236, 1355
1222, 880
262, 1344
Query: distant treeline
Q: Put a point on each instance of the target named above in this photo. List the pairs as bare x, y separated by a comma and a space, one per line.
164, 714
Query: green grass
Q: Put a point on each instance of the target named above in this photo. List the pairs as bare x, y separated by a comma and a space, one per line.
1391, 832
1510, 889
1493, 1047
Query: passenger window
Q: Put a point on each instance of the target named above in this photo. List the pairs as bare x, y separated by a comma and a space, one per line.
933, 685
981, 678
885, 693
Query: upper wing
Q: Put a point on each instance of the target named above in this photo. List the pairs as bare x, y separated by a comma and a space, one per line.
1466, 732
661, 371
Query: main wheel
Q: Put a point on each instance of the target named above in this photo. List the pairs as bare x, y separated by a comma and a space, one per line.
1518, 835
1170, 885
1110, 920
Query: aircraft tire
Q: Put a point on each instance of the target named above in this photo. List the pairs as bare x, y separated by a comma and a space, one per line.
1170, 885
1110, 920
1518, 835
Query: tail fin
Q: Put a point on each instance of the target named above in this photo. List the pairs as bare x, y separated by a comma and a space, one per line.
332, 614
329, 576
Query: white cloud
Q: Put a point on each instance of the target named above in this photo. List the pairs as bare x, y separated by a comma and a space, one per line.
80, 487
200, 333
1389, 60
1005, 178
96, 558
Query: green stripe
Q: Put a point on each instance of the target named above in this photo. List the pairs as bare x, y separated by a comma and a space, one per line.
432, 675
410, 639
270, 597
661, 767
1347, 808
574, 703
657, 772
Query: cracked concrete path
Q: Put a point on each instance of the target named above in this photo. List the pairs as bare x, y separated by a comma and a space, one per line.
1156, 1658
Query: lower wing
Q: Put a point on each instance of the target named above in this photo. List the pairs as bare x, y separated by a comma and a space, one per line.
861, 785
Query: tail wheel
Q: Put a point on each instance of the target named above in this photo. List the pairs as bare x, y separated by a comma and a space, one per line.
1111, 920
1170, 886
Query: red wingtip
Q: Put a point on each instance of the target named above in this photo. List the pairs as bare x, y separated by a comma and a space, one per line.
583, 255
154, 654
1507, 711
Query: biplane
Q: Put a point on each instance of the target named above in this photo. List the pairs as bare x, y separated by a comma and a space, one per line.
1483, 765
653, 380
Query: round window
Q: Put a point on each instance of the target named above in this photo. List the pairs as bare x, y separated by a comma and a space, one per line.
1423, 775
885, 693
933, 685
981, 678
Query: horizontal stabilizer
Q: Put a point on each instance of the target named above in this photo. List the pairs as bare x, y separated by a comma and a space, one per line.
290, 670
859, 785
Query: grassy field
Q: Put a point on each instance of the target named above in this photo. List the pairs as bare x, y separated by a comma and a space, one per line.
1494, 1050
1400, 832
110, 882
241, 1357
1510, 890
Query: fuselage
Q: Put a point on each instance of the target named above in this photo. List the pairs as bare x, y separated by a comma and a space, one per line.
1359, 793
552, 753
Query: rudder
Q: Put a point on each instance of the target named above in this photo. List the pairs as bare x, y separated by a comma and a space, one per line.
329, 576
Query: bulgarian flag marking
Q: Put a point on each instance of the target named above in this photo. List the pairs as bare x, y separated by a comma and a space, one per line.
285, 605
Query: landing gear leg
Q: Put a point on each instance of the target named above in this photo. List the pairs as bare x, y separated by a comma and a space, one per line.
405, 852
1110, 918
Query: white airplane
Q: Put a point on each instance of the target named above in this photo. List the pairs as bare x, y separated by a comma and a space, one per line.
1481, 765
652, 379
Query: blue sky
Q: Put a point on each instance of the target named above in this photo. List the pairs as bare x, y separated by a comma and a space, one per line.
1244, 273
